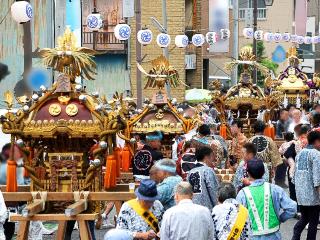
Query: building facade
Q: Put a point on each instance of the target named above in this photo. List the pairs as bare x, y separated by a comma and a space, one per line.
270, 19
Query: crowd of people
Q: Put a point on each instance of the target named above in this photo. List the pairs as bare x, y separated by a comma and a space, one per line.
183, 198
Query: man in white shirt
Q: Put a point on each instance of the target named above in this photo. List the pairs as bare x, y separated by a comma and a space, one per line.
186, 220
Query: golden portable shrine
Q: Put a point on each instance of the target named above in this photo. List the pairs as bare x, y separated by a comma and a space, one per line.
292, 82
160, 113
245, 100
66, 136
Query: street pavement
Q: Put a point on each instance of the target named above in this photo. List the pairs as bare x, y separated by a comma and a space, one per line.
286, 231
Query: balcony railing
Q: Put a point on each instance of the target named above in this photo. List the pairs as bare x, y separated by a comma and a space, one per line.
262, 13
102, 41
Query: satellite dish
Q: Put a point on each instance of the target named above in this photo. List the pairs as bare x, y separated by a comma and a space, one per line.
38, 77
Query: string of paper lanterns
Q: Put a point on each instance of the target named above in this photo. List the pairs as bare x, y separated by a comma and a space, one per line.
279, 37
145, 36
22, 12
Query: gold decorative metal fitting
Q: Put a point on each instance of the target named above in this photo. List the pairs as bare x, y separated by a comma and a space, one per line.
54, 109
72, 110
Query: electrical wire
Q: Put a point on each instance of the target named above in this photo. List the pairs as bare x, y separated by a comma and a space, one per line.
4, 16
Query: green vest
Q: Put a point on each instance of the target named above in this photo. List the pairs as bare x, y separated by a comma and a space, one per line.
263, 217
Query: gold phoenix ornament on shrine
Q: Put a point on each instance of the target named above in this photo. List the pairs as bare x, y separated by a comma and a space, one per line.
248, 60
69, 59
162, 73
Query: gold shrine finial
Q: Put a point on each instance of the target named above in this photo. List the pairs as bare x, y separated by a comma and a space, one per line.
160, 63
68, 41
160, 74
292, 52
8, 99
248, 61
292, 57
69, 59
246, 54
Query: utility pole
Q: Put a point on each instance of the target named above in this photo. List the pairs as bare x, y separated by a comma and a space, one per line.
235, 49
138, 54
165, 26
255, 24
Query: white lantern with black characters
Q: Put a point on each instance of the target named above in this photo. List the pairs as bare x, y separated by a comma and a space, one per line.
163, 40
198, 40
268, 37
277, 37
144, 36
211, 38
248, 32
258, 35
224, 34
21, 11
307, 40
300, 40
286, 37
181, 41
94, 21
122, 32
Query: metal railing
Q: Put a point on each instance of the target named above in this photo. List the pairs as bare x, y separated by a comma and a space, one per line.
262, 13
102, 41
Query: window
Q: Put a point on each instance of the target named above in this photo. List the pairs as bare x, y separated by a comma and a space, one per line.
245, 6
249, 4
230, 3
305, 50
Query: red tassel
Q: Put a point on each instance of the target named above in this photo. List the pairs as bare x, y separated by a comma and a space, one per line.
269, 132
12, 185
110, 178
125, 159
223, 131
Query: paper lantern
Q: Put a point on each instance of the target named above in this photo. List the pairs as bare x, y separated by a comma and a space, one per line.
94, 21
248, 32
307, 40
198, 40
163, 40
258, 35
277, 37
268, 37
286, 37
294, 38
315, 39
211, 38
122, 31
181, 41
300, 39
144, 36
224, 34
21, 11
